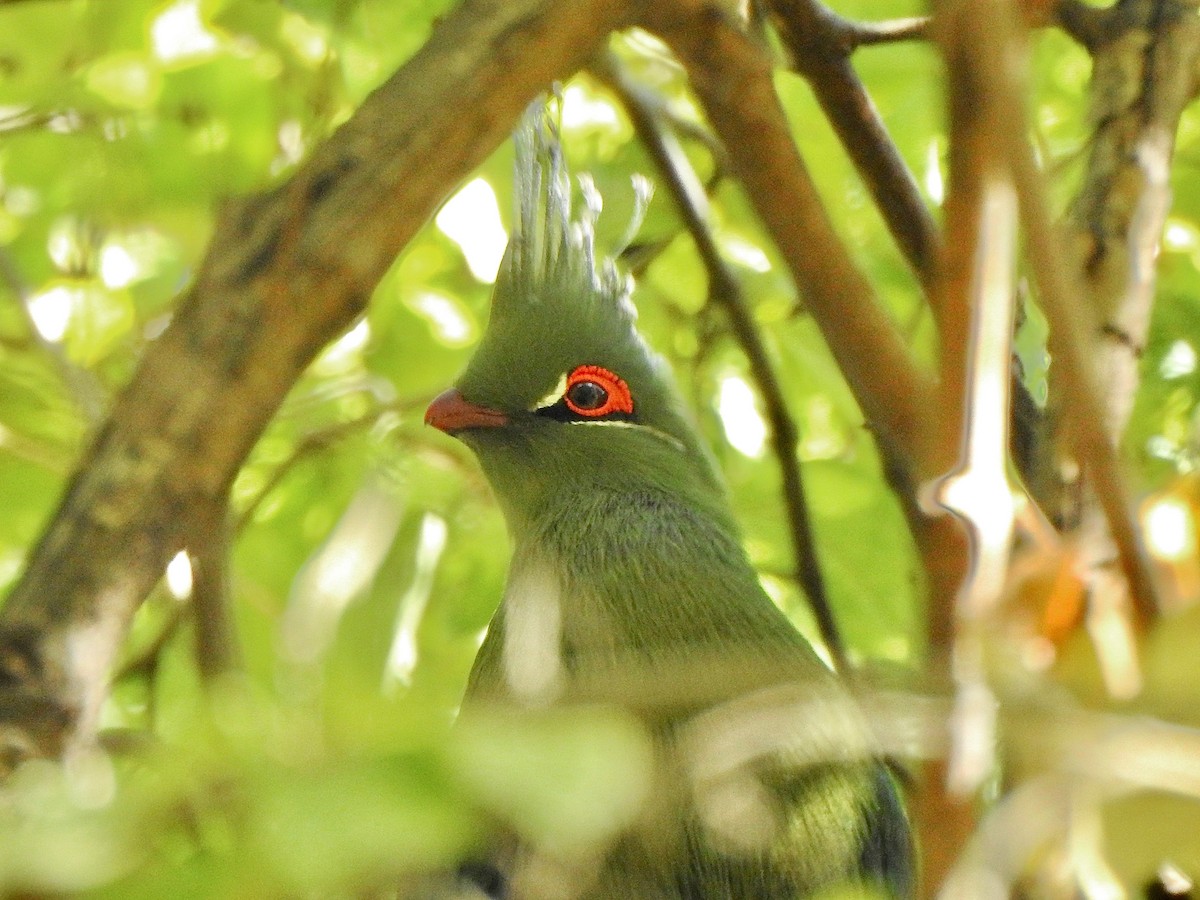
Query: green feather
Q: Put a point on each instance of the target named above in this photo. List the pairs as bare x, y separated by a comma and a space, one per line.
629, 580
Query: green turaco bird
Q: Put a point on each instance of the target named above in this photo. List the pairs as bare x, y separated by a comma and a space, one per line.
629, 585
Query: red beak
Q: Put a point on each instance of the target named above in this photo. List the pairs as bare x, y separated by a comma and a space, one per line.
451, 412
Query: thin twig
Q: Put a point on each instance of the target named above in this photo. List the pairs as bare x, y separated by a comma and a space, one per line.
146, 662
82, 385
208, 550
726, 290
28, 120
51, 458
821, 42
1060, 300
216, 649
315, 442
866, 34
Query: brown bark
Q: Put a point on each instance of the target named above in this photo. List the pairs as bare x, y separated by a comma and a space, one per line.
1144, 76
821, 42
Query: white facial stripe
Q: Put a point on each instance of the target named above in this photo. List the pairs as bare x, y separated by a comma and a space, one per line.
554, 396
619, 423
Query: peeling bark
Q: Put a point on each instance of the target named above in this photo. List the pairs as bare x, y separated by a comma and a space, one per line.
1143, 79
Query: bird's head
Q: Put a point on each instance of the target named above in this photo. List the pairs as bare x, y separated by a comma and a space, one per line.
562, 394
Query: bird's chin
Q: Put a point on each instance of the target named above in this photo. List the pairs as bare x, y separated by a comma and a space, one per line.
495, 446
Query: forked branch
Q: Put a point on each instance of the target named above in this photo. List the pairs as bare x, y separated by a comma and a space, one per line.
732, 77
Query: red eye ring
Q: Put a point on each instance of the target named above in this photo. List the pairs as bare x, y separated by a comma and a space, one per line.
617, 399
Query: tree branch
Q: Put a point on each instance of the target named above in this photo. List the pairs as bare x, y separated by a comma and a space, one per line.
285, 273
820, 42
1145, 57
145, 662
1144, 78
867, 34
732, 77
1091, 26
1086, 414
969, 577
208, 550
726, 291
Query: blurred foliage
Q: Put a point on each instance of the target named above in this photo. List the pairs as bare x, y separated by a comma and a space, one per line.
331, 769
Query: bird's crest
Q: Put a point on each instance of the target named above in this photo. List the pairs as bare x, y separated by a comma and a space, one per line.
551, 243
554, 298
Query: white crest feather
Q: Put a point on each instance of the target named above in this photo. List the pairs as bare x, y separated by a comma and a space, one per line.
551, 243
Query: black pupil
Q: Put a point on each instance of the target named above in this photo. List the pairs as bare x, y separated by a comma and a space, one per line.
587, 395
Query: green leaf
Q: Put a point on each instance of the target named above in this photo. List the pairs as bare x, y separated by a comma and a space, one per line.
566, 779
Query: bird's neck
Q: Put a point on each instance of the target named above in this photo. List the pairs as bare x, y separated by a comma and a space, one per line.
609, 588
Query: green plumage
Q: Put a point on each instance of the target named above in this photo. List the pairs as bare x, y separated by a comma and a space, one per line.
629, 582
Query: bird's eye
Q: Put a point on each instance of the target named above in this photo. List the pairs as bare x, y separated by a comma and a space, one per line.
586, 396
593, 391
